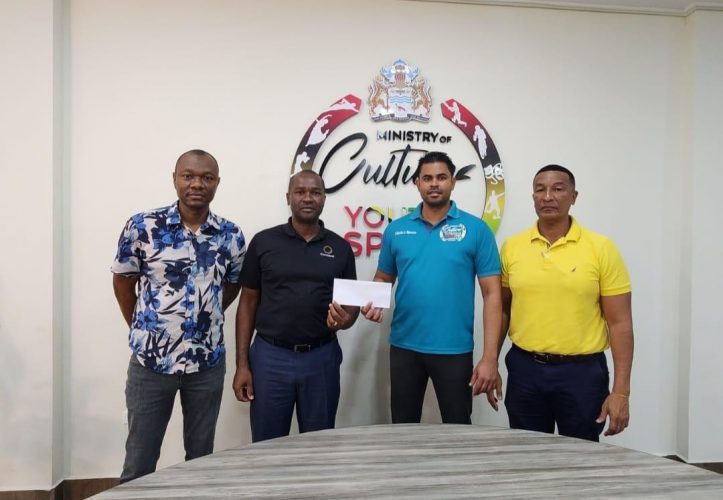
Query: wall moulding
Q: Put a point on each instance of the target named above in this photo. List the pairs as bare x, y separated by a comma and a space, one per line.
673, 8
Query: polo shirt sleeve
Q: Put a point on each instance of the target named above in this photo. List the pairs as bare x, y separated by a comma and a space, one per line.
505, 263
129, 254
614, 278
386, 263
487, 259
238, 251
251, 269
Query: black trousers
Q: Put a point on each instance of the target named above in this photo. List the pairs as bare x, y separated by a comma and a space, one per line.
450, 374
569, 395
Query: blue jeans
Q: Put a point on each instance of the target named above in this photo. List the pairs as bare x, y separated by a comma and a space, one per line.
149, 399
569, 395
283, 379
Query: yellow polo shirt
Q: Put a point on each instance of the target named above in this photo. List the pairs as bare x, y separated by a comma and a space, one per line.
556, 289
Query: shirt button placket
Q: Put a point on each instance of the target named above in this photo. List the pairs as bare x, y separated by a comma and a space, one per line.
190, 295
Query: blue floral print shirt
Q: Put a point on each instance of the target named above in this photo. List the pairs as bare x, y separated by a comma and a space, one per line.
178, 320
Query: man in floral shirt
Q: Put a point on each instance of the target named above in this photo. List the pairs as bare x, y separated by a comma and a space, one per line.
176, 270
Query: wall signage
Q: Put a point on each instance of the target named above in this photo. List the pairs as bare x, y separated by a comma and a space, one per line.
368, 160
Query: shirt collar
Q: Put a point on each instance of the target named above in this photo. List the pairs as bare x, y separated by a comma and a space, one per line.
290, 231
174, 218
453, 212
212, 221
573, 234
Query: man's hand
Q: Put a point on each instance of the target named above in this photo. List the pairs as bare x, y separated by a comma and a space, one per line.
372, 313
617, 311
494, 396
617, 409
243, 385
375, 313
484, 376
338, 318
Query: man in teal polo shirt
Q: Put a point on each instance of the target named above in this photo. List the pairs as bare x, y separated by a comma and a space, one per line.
436, 252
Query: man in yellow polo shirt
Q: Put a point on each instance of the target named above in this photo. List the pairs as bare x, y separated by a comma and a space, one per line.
566, 298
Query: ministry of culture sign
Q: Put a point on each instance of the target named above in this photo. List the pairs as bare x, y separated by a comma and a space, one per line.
404, 127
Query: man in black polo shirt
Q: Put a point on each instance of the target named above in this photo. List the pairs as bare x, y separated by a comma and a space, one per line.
287, 281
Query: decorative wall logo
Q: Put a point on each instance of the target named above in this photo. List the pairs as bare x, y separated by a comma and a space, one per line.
384, 158
316, 134
398, 93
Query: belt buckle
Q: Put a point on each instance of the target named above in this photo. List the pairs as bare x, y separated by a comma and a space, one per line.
541, 357
302, 347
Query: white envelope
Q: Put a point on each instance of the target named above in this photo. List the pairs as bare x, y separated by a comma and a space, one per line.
360, 293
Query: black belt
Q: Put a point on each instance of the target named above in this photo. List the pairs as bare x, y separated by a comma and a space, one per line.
556, 359
308, 346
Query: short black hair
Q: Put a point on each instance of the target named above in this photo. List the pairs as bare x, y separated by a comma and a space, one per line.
557, 168
196, 152
307, 172
436, 156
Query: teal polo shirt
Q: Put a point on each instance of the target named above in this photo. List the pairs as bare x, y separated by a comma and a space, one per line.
436, 269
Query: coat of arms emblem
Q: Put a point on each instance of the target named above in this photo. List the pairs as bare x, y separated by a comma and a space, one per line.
398, 93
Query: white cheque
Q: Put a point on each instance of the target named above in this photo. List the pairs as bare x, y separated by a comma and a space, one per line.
360, 293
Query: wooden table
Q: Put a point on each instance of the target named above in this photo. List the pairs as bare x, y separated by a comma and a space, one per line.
425, 461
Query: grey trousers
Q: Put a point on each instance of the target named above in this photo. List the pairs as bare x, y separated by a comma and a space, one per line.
149, 399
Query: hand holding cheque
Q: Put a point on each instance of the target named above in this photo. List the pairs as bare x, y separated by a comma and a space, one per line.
371, 296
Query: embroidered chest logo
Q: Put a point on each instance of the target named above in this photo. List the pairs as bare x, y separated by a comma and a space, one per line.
327, 251
453, 232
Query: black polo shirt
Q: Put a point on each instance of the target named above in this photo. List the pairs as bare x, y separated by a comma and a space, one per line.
296, 280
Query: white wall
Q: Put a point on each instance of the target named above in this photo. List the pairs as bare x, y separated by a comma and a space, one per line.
26, 280
706, 325
601, 93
